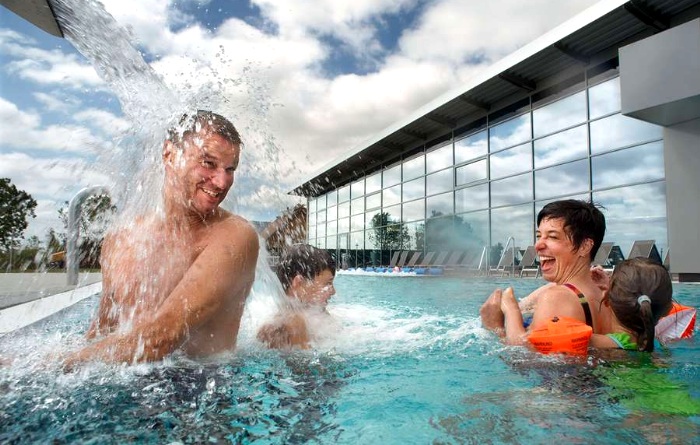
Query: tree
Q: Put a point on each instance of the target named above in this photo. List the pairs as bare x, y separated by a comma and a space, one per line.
387, 233
16, 207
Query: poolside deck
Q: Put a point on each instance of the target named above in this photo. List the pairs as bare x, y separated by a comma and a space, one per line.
19, 288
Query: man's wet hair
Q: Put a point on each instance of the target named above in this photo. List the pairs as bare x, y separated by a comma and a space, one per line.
582, 219
193, 123
304, 260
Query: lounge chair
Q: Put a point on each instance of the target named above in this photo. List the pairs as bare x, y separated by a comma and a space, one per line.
453, 259
645, 249
402, 258
394, 259
506, 264
608, 256
427, 259
529, 263
414, 259
440, 259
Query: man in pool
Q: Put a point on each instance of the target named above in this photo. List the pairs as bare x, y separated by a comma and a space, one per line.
178, 279
307, 275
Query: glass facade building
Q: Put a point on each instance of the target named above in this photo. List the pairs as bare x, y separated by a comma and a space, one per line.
485, 182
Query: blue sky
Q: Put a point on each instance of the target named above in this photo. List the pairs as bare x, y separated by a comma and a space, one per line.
314, 77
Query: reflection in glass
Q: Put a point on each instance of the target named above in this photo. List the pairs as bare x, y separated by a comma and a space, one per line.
510, 132
440, 182
312, 205
516, 221
636, 164
560, 114
357, 222
357, 240
321, 243
413, 168
331, 242
331, 228
343, 225
415, 239
321, 203
373, 201
581, 197
565, 179
604, 98
344, 209
393, 213
635, 213
414, 210
321, 217
414, 189
511, 190
476, 233
344, 193
561, 147
372, 243
321, 231
312, 232
357, 188
332, 198
312, 219
373, 183
513, 160
620, 131
357, 206
472, 198
392, 176
332, 213
471, 147
391, 195
439, 158
440, 204
476, 171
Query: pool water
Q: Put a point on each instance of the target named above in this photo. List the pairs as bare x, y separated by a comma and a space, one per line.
405, 362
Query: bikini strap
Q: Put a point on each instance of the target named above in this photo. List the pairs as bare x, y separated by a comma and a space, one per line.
584, 303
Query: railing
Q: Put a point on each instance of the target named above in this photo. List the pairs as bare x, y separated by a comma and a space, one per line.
74, 212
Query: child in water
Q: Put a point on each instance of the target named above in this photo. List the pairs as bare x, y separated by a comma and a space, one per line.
638, 294
307, 275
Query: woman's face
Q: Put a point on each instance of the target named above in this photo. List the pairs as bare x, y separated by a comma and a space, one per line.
556, 252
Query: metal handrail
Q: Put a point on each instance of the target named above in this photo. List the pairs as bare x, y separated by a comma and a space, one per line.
74, 211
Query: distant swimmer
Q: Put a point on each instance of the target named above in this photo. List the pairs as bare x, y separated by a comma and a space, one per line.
178, 279
307, 275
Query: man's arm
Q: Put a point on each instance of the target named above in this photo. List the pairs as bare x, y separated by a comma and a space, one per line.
102, 322
292, 332
224, 270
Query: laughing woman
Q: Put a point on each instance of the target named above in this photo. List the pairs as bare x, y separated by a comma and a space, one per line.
569, 233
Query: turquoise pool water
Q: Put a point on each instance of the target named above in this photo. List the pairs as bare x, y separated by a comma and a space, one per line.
405, 362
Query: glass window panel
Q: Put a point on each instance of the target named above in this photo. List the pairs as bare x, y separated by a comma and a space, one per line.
511, 190
561, 147
510, 132
636, 164
476, 171
439, 158
321, 203
393, 213
357, 222
357, 188
321, 243
472, 198
392, 176
414, 210
565, 179
473, 231
321, 217
620, 131
440, 182
415, 236
332, 213
414, 189
321, 231
357, 240
373, 201
344, 209
373, 182
414, 168
357, 206
312, 232
331, 242
440, 204
511, 161
331, 228
372, 218
372, 242
332, 198
604, 98
391, 195
344, 193
343, 225
581, 197
312, 219
471, 147
312, 205
516, 221
560, 114
635, 213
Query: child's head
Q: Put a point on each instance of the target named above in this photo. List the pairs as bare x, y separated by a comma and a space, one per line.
640, 294
307, 273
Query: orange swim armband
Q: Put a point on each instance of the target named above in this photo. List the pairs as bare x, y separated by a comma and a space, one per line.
562, 335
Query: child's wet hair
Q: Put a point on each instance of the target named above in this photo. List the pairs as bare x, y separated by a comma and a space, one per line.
304, 260
633, 279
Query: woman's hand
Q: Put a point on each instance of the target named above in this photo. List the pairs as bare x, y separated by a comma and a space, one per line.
601, 278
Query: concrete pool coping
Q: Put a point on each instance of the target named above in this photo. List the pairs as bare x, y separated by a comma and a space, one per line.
29, 297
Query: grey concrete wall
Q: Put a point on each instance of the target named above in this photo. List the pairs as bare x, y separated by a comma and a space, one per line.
682, 164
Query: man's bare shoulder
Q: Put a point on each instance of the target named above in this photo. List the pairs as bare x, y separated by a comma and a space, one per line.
235, 225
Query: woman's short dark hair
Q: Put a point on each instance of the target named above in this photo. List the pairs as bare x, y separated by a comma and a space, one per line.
304, 260
582, 220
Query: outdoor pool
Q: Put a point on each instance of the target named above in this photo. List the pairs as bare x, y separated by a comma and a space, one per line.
406, 362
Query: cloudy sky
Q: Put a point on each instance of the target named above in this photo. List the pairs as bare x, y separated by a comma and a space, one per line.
304, 80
